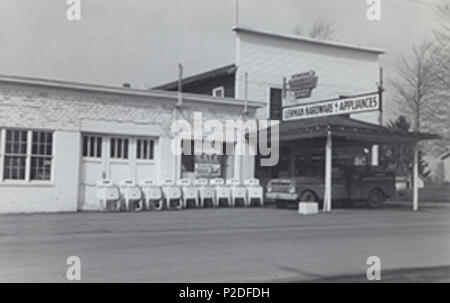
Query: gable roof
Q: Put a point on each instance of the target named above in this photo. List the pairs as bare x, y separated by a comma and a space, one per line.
220, 72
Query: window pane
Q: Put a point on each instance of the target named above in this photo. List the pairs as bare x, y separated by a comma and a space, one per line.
144, 149
119, 148
113, 148
14, 168
40, 168
49, 149
34, 146
99, 147
125, 148
92, 147
23, 142
85, 146
41, 161
151, 149
138, 149
16, 142
40, 144
145, 156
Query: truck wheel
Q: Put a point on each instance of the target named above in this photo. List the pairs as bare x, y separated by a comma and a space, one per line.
375, 198
308, 196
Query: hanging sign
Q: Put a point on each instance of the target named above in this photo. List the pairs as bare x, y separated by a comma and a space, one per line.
366, 103
301, 85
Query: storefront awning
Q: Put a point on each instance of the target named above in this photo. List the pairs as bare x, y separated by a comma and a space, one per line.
343, 126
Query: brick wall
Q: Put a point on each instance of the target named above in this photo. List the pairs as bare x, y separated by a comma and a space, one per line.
68, 112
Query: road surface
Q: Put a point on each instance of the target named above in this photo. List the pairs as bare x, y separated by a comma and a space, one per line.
223, 245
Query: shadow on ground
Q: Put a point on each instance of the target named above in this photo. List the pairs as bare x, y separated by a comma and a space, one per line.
439, 274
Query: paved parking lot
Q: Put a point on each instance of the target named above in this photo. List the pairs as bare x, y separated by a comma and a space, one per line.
223, 245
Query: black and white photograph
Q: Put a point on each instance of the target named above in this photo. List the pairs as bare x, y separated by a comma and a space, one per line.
225, 146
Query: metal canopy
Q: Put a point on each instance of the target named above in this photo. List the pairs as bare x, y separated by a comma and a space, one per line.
343, 126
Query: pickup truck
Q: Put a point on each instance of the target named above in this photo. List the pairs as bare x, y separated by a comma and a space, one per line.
353, 184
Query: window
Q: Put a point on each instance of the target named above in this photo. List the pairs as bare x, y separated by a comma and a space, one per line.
41, 155
15, 155
27, 155
144, 149
119, 148
218, 92
92, 146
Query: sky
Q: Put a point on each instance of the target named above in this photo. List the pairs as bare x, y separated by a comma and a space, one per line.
141, 41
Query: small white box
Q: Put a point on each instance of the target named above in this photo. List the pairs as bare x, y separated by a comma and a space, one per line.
308, 208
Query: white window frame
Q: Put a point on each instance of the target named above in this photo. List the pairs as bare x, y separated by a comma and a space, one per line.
218, 89
116, 149
96, 136
151, 142
27, 180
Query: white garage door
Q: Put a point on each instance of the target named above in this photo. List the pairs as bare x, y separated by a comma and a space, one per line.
116, 158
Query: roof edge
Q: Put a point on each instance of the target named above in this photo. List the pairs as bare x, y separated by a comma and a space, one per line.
216, 72
79, 86
377, 51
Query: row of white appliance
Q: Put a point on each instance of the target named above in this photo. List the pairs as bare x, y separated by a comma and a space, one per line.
183, 193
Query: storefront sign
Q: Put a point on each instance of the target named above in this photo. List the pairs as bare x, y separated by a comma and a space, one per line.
301, 85
352, 105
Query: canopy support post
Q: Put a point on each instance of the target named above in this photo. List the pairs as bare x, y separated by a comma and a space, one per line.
415, 178
328, 171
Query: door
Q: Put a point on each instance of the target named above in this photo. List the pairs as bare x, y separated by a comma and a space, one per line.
93, 168
116, 158
275, 104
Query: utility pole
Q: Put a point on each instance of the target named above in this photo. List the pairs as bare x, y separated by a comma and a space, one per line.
246, 93
237, 13
380, 92
283, 98
180, 84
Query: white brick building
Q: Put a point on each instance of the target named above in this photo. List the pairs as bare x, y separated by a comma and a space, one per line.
58, 138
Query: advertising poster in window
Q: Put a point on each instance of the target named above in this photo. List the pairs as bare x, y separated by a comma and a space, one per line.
208, 166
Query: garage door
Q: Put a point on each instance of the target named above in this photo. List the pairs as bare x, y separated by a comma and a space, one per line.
116, 158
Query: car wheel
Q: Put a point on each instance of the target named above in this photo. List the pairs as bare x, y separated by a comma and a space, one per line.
375, 198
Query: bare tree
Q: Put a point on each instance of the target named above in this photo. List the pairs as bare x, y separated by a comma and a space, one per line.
441, 119
320, 30
416, 85
442, 44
